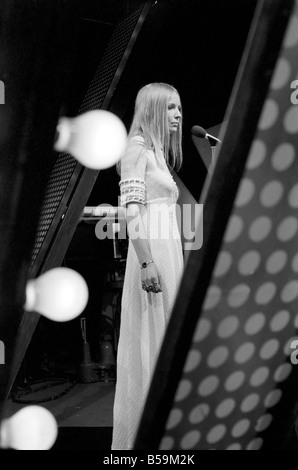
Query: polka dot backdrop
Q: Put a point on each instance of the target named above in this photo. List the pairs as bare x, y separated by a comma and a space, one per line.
239, 359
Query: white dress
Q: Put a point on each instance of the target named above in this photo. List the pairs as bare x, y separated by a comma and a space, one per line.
144, 316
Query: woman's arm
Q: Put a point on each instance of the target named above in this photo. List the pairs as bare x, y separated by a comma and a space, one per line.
133, 196
137, 234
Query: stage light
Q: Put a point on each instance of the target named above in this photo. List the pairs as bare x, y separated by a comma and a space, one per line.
97, 139
31, 428
60, 294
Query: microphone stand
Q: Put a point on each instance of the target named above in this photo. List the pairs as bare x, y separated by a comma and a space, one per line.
213, 150
212, 143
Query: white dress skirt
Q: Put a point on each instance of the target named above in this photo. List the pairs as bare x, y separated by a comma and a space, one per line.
144, 316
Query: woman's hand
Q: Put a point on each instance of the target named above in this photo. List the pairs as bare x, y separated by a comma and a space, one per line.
150, 279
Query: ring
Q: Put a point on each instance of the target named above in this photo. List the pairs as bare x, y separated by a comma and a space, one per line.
150, 288
156, 287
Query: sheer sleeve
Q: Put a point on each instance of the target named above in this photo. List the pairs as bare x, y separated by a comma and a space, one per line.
133, 169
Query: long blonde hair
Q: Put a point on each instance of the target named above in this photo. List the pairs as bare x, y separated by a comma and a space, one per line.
150, 121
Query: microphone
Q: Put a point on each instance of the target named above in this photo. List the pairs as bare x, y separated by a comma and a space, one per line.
199, 131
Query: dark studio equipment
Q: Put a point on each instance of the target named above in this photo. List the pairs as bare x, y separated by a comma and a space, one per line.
106, 363
108, 219
87, 369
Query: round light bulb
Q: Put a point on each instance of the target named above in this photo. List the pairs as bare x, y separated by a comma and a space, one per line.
97, 139
60, 294
32, 428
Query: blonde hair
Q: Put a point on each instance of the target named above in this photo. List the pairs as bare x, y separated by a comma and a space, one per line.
150, 121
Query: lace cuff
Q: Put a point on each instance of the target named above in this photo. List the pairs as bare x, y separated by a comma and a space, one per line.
132, 190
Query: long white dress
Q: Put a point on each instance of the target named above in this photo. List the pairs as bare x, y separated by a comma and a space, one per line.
144, 316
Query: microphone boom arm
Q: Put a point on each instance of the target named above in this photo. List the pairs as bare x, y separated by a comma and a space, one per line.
211, 137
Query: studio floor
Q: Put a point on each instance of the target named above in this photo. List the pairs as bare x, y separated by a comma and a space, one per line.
83, 412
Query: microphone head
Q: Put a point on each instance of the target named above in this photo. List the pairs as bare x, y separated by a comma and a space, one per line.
198, 131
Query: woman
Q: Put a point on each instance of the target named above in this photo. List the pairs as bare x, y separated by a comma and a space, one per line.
154, 260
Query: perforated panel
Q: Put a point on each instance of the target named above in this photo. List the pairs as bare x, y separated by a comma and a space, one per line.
58, 182
240, 352
62, 179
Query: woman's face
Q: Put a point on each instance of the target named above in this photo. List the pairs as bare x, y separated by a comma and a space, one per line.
174, 112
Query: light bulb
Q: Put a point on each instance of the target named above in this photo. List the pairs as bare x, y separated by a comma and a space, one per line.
31, 428
60, 294
97, 139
